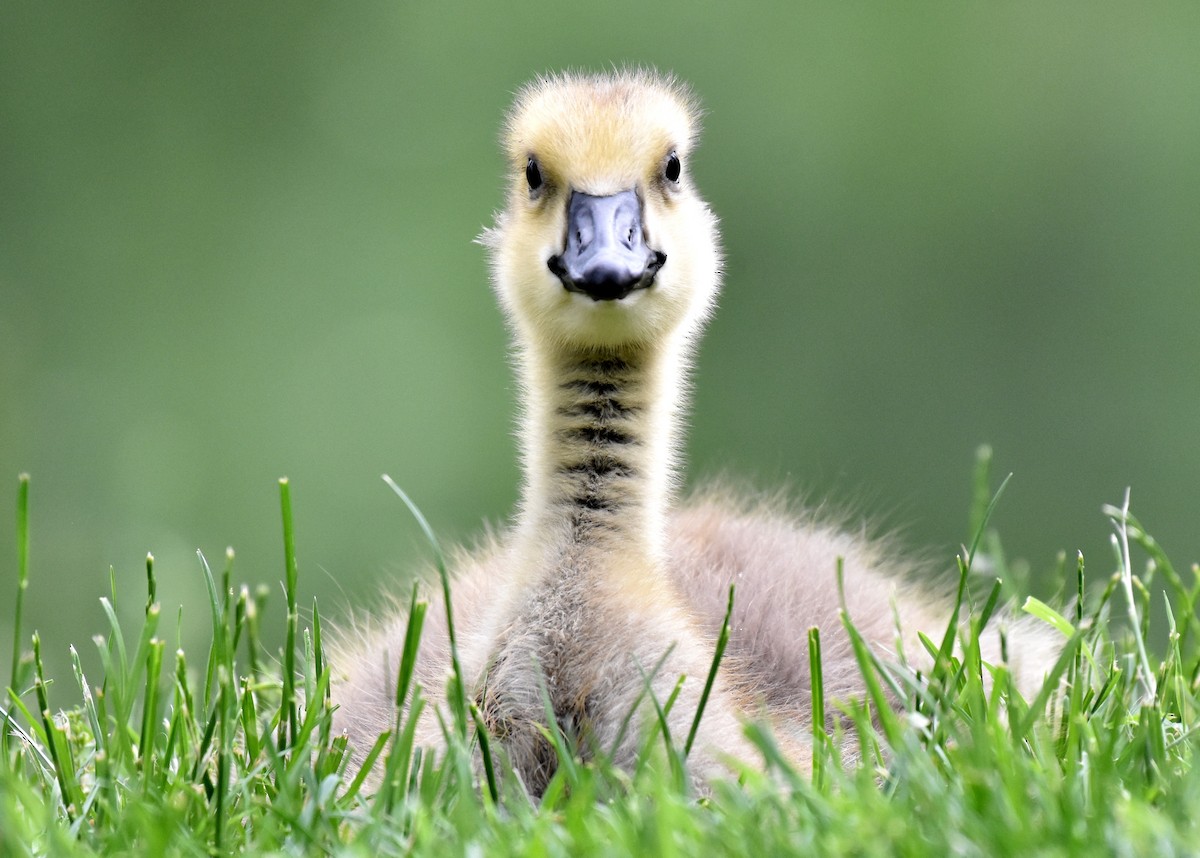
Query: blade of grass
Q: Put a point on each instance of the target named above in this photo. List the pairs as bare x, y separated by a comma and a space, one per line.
396, 768
89, 703
254, 607
21, 733
1049, 686
368, 763
64, 766
249, 723
289, 723
325, 703
722, 642
1120, 521
313, 717
403, 756
485, 750
817, 684
868, 667
224, 751
151, 584
552, 731
417, 609
631, 713
150, 704
981, 525
22, 576
662, 727
458, 695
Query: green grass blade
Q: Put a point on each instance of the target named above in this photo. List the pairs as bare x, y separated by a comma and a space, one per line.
150, 703
867, 665
30, 739
817, 684
458, 694
290, 723
1120, 521
368, 764
417, 609
485, 749
151, 582
981, 526
56, 744
15, 679
722, 642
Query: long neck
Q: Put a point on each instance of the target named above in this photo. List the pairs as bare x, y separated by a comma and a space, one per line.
599, 455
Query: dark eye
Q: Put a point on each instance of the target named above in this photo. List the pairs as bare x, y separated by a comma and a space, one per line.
673, 167
533, 175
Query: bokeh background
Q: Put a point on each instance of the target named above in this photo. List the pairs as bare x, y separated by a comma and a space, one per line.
235, 244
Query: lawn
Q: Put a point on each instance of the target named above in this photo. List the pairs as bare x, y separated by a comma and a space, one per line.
230, 750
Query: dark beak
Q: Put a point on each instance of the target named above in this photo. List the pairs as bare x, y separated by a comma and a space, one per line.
606, 256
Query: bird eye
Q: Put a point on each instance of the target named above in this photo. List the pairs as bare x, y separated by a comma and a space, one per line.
673, 168
533, 175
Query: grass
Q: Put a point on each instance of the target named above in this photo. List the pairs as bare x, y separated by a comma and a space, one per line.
167, 753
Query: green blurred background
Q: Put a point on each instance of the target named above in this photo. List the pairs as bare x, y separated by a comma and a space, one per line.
235, 244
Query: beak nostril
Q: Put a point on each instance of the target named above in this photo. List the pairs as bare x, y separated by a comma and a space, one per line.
606, 257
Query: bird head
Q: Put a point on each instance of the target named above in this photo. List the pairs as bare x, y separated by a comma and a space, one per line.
604, 243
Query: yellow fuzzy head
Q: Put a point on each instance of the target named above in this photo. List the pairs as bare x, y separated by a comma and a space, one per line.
601, 135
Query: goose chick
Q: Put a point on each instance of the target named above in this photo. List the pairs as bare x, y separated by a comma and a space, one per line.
606, 263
